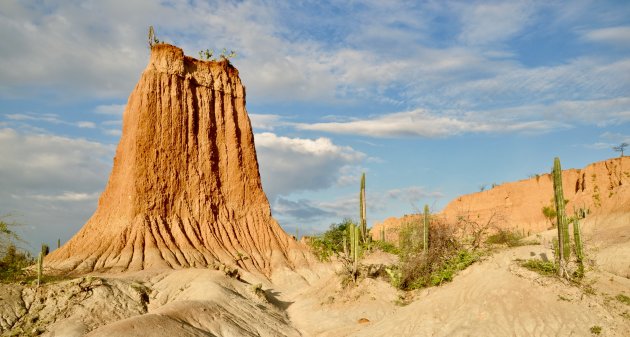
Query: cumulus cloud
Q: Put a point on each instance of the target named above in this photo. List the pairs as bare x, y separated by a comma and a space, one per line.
264, 122
51, 183
302, 209
317, 215
290, 165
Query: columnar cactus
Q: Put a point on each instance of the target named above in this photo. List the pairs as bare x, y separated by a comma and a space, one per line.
564, 246
362, 210
40, 268
579, 250
151, 37
355, 248
425, 239
383, 234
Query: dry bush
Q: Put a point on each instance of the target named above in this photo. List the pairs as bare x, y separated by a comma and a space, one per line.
445, 256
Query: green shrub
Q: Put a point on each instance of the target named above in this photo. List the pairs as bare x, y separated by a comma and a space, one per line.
596, 329
12, 264
462, 260
444, 258
623, 299
385, 246
329, 243
506, 237
547, 268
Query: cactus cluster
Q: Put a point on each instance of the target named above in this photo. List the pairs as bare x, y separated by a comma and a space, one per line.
562, 249
354, 235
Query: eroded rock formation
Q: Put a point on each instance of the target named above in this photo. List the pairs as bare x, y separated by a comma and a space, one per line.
185, 188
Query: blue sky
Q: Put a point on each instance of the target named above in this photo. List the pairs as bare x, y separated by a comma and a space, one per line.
432, 99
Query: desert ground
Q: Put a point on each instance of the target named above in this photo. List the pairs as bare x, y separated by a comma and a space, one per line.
494, 297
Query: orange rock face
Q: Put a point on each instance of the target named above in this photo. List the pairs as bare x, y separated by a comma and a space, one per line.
602, 187
185, 188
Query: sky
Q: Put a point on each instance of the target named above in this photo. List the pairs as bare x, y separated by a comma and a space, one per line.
431, 99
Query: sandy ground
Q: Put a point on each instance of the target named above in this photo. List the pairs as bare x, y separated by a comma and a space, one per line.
496, 297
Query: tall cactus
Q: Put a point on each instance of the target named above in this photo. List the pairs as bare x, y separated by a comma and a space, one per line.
579, 250
354, 235
362, 210
40, 268
383, 233
425, 238
151, 37
351, 239
58, 243
564, 246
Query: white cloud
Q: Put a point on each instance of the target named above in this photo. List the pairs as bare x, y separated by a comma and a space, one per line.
51, 183
619, 36
113, 132
111, 109
484, 23
48, 118
413, 194
609, 140
66, 196
37, 163
86, 125
424, 124
289, 165
264, 122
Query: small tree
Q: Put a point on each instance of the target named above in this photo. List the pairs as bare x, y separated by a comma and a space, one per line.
550, 213
620, 148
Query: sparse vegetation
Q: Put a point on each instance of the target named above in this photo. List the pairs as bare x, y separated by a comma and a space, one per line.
596, 329
623, 299
152, 39
385, 246
444, 257
331, 242
620, 148
505, 237
546, 268
208, 55
12, 264
549, 212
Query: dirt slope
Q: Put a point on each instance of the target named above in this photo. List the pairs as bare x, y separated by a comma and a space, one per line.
496, 297
602, 188
185, 189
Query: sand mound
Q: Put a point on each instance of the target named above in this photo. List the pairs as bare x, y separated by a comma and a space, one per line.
185, 189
